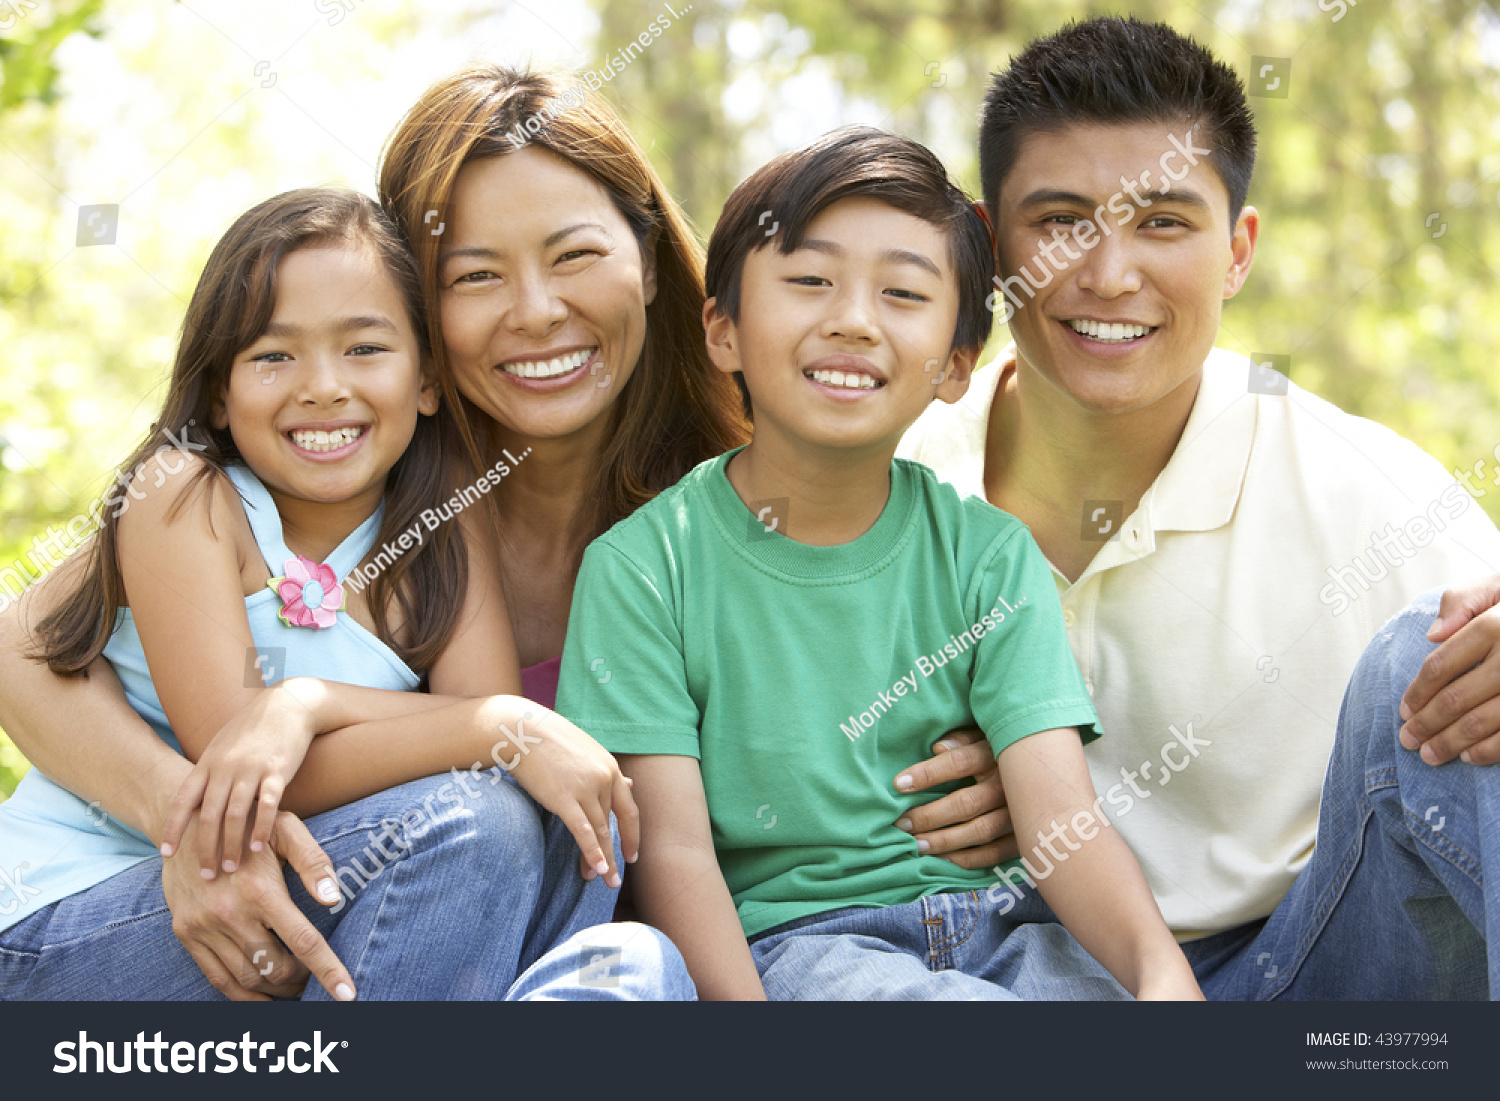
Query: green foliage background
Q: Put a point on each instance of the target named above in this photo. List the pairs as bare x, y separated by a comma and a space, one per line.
1391, 118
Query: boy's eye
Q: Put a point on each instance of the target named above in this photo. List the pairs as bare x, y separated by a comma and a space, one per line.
368, 349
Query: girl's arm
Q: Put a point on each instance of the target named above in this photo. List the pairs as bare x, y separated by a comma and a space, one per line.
678, 885
1095, 886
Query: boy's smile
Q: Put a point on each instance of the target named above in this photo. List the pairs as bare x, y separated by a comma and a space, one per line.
1125, 270
846, 340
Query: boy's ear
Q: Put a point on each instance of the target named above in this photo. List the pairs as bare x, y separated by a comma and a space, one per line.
722, 338
956, 374
429, 398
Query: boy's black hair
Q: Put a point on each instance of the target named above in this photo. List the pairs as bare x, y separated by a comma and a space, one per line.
779, 200
1112, 71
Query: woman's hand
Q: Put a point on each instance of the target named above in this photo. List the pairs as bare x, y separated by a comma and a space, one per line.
240, 778
575, 778
979, 833
239, 928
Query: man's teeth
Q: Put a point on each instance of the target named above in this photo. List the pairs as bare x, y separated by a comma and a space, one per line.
1108, 332
326, 441
550, 368
851, 381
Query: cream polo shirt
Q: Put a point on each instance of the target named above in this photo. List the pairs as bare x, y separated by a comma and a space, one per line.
1219, 624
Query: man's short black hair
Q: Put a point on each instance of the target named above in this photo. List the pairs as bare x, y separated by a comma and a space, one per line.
780, 200
1112, 71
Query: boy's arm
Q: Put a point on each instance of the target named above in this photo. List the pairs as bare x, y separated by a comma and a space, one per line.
678, 885
1095, 886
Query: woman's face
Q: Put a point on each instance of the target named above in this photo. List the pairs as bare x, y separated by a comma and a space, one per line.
542, 293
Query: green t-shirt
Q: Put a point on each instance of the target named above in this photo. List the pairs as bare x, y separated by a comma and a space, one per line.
804, 678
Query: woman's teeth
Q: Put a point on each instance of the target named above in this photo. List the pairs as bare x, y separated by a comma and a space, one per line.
326, 441
550, 368
851, 381
1109, 333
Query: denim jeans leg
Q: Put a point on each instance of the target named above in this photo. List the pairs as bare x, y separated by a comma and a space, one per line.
618, 962
1393, 903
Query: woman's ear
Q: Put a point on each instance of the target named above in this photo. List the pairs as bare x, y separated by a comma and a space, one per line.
648, 267
722, 338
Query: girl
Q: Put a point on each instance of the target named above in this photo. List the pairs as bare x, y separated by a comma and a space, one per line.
310, 439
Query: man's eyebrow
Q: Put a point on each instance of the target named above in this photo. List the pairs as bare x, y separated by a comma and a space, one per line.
552, 238
891, 255
281, 329
1180, 195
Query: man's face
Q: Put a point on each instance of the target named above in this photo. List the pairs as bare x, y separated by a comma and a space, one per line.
1123, 252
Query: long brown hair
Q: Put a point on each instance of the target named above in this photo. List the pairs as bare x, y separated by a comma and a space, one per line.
230, 309
677, 409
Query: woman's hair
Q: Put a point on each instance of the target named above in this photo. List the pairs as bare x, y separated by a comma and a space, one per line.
676, 410
230, 309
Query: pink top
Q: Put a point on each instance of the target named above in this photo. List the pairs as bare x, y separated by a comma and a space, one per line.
539, 681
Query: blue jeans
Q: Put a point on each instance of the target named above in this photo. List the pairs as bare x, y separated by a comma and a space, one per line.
472, 895
1394, 904
998, 945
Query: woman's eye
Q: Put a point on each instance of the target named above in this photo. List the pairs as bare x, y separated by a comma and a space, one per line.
475, 277
576, 254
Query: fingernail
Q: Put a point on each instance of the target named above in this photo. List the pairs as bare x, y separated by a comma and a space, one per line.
166, 850
904, 782
944, 746
904, 824
1406, 739
614, 882
922, 846
1429, 754
229, 865
632, 858
1405, 711
206, 873
1464, 757
328, 890
602, 867
257, 846
343, 992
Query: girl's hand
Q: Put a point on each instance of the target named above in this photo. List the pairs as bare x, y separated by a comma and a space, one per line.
242, 774
1171, 983
575, 778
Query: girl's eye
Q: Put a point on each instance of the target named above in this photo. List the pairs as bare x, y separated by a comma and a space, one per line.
367, 349
910, 296
270, 357
809, 281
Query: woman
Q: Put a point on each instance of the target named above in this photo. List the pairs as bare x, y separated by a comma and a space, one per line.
564, 288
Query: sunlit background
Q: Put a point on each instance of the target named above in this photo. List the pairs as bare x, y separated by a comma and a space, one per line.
1377, 178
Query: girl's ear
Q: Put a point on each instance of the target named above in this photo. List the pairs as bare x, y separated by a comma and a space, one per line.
218, 414
429, 398
721, 337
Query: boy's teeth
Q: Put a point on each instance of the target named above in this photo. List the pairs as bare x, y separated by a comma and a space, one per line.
1107, 332
550, 368
850, 381
316, 440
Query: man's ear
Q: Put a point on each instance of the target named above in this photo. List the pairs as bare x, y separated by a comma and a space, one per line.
722, 338
1242, 249
430, 397
956, 374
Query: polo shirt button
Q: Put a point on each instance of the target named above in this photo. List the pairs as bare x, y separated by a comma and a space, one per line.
1069, 617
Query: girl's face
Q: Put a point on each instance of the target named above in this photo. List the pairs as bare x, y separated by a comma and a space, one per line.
542, 292
326, 400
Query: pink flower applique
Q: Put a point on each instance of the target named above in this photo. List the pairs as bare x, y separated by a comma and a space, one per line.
311, 595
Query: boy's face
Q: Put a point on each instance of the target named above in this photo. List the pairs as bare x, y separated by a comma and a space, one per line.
846, 340
1167, 263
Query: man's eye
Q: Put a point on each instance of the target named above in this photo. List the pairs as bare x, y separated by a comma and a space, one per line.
1166, 222
1065, 219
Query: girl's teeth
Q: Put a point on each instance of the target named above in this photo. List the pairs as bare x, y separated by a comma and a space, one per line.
550, 368
316, 440
850, 381
1108, 332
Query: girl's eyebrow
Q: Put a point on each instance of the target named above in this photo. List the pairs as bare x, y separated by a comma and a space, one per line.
343, 325
552, 238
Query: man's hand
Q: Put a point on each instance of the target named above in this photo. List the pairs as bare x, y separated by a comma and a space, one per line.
239, 927
970, 827
1452, 708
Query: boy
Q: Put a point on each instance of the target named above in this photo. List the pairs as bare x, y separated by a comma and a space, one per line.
786, 626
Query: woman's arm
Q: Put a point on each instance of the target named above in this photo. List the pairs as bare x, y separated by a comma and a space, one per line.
678, 885
1094, 884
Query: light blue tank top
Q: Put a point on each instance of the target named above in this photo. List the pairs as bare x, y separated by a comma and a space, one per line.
62, 845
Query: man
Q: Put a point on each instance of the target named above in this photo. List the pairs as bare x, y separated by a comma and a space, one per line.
1226, 546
